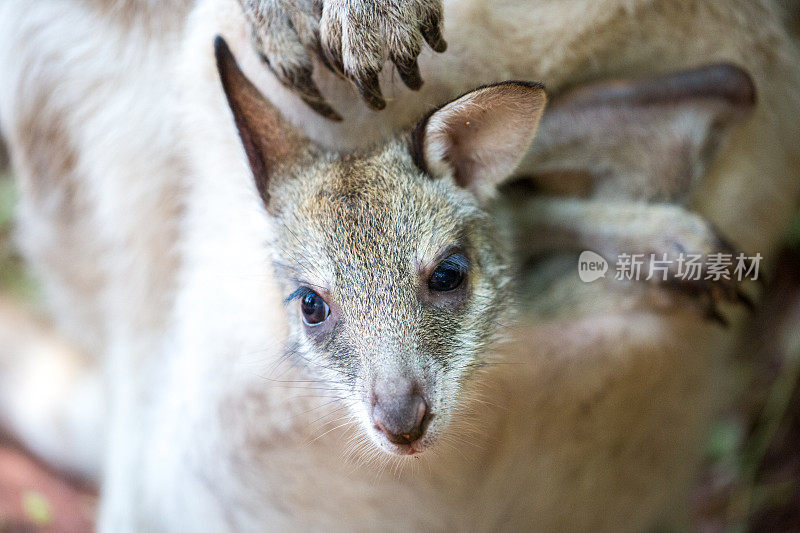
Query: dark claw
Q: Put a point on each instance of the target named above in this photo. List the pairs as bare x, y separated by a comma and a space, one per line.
303, 84
333, 60
325, 57
322, 108
325, 61
745, 300
433, 36
309, 92
713, 314
712, 292
409, 73
370, 90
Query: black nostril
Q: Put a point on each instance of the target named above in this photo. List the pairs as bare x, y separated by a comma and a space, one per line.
403, 420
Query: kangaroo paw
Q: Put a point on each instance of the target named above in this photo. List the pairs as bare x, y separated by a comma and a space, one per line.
285, 33
358, 36
697, 261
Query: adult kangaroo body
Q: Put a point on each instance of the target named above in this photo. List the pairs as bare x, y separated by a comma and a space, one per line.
138, 212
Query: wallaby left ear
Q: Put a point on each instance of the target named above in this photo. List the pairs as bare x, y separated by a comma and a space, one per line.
479, 138
268, 139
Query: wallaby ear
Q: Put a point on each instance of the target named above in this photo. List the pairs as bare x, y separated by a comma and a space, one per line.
646, 139
480, 137
267, 138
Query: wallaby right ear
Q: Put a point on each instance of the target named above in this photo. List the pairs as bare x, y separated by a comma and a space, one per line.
267, 138
479, 138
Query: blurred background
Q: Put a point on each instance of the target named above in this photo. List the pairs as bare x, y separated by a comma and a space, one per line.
750, 480
750, 477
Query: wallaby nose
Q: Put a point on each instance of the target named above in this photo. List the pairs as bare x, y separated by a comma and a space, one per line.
401, 417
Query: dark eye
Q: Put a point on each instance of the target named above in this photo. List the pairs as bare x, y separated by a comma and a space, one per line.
314, 308
449, 274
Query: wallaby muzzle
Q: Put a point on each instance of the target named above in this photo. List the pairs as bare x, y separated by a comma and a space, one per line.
400, 411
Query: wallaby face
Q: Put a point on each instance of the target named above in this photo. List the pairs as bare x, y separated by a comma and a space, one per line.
394, 275
395, 284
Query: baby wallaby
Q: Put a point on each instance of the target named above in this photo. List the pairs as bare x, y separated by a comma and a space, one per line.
395, 273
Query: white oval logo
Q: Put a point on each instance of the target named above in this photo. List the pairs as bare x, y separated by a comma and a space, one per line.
591, 266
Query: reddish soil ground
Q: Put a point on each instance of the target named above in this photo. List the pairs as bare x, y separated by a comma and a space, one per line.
35, 498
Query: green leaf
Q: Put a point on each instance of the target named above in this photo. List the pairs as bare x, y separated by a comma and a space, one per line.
725, 439
8, 199
37, 508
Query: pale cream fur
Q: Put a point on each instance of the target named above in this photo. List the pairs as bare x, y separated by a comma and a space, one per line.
597, 421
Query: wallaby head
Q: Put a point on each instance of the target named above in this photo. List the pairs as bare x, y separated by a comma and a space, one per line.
394, 273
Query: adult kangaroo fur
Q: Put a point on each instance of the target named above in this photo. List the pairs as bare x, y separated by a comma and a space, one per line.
139, 213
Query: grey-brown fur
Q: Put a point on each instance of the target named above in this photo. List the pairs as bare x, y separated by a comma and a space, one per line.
365, 231
593, 421
361, 229
353, 37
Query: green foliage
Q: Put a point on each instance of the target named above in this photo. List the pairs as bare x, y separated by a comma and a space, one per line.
37, 508
15, 281
8, 198
794, 235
